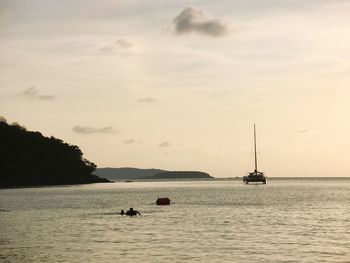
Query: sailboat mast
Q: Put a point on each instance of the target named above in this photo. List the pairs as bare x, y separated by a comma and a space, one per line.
256, 160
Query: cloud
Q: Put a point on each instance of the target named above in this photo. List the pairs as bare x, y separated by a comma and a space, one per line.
131, 141
197, 20
149, 99
47, 97
90, 130
30, 92
165, 144
120, 44
123, 43
303, 131
33, 93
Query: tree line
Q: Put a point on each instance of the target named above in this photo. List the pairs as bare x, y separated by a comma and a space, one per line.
27, 158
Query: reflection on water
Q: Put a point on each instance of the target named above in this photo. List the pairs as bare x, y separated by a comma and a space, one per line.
209, 221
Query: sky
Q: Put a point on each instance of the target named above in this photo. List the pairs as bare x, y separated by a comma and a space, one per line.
178, 85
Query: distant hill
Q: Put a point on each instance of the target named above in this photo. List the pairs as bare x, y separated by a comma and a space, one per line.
181, 175
28, 158
125, 173
128, 173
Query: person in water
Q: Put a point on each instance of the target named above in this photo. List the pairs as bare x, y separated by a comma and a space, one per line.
122, 212
132, 212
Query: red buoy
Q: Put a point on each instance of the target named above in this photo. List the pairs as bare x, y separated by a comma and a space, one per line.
163, 201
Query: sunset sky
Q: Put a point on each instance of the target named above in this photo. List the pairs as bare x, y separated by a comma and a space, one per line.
178, 85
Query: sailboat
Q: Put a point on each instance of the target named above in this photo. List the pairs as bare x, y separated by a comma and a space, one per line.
256, 176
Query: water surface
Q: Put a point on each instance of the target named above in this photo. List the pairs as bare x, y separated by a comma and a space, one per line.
209, 221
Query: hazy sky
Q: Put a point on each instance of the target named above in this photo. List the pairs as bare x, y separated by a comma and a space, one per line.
178, 84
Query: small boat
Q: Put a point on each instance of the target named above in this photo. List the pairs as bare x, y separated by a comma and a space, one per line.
163, 201
256, 176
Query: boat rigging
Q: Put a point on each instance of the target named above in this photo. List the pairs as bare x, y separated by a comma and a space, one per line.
256, 176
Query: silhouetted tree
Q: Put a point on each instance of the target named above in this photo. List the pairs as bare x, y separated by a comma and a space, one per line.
28, 158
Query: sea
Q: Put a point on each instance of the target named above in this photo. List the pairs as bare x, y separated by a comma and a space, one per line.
286, 220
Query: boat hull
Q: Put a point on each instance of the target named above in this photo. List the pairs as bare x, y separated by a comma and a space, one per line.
254, 178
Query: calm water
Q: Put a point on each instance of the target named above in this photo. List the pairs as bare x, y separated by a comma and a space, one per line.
210, 221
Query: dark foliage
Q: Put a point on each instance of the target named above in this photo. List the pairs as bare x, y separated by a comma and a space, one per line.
28, 158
